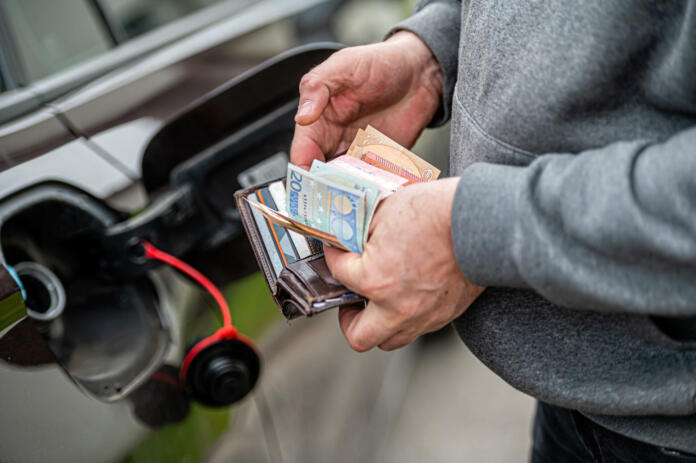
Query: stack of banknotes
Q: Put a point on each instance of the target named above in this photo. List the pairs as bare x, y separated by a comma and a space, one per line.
335, 201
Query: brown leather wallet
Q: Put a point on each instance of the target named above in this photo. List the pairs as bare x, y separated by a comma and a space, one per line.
300, 284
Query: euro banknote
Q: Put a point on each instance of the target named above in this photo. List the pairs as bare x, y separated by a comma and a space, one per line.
282, 219
374, 148
327, 206
336, 201
334, 174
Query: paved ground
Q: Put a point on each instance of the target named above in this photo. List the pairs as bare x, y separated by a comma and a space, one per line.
321, 402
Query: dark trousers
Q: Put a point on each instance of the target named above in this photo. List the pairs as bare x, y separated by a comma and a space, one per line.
566, 436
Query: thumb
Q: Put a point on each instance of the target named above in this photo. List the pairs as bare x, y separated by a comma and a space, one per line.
321, 83
304, 148
346, 267
314, 96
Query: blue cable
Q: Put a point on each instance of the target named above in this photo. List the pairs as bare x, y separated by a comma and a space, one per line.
13, 272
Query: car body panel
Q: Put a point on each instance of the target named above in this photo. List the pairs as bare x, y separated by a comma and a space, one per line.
95, 175
46, 418
91, 142
31, 136
133, 102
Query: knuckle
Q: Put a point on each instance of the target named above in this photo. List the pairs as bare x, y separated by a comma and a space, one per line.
311, 81
358, 343
343, 54
356, 346
401, 313
379, 287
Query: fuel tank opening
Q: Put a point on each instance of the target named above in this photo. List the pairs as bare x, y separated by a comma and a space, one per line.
108, 336
45, 295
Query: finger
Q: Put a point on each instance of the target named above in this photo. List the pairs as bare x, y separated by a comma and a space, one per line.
347, 314
314, 96
346, 267
366, 328
399, 340
304, 148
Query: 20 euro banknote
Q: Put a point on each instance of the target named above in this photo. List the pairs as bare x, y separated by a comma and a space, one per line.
371, 190
327, 206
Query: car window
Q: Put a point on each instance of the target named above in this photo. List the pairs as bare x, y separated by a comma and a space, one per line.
137, 17
50, 35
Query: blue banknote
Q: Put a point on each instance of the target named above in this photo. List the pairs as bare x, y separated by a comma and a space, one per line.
327, 206
336, 175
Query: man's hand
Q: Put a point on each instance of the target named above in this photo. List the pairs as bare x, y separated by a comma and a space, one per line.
393, 85
407, 270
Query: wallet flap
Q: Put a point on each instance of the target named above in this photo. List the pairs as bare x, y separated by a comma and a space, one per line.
315, 277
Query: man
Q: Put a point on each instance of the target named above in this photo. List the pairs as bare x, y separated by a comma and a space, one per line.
573, 151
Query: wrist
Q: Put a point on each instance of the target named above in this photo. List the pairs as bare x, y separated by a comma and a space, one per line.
422, 60
449, 190
437, 198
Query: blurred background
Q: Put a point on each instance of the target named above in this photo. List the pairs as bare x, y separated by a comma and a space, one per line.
87, 88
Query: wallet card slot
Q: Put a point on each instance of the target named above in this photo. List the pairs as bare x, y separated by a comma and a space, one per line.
281, 236
300, 242
253, 232
267, 240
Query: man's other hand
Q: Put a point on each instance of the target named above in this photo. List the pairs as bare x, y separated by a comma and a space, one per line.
407, 270
393, 85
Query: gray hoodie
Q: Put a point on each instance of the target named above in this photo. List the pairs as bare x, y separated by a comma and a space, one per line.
574, 133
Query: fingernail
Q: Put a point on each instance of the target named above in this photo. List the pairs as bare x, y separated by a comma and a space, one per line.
305, 108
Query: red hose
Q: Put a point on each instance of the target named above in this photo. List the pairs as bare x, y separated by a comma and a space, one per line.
151, 252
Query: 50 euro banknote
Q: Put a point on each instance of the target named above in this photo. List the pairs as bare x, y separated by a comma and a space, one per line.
376, 149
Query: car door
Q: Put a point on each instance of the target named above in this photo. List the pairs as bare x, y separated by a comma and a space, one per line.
173, 66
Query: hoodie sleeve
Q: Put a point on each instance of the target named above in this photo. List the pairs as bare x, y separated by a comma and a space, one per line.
610, 229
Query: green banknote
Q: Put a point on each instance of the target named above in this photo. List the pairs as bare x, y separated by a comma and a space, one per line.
327, 206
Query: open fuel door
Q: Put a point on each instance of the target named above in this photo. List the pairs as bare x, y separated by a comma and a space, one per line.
237, 135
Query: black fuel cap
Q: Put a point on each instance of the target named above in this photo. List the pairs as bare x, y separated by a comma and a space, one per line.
223, 373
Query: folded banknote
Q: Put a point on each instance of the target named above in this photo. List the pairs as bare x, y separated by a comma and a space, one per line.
336, 201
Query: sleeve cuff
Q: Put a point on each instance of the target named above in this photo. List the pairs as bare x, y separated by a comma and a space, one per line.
438, 25
484, 219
